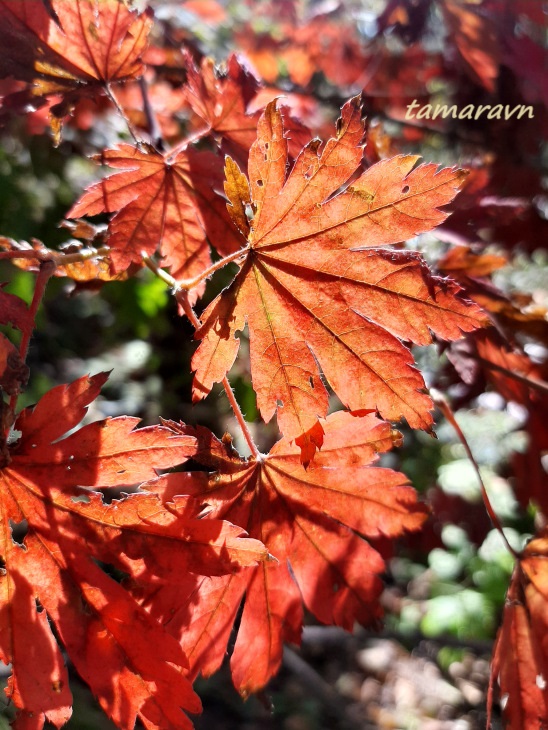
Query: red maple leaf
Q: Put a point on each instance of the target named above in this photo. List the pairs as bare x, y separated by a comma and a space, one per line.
54, 529
72, 48
221, 100
315, 289
520, 655
310, 520
164, 201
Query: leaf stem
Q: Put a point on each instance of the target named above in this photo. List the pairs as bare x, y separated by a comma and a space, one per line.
182, 299
47, 269
533, 383
121, 112
444, 407
187, 284
152, 120
56, 257
181, 294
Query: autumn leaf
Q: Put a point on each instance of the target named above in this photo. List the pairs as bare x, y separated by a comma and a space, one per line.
55, 530
76, 48
162, 201
461, 262
317, 292
311, 521
519, 657
221, 100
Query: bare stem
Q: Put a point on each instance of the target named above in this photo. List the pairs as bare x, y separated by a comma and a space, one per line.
56, 257
182, 298
152, 119
121, 112
183, 144
47, 269
533, 383
187, 284
450, 416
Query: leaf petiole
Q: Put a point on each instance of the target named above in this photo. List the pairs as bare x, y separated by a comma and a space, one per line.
188, 284
445, 408
181, 294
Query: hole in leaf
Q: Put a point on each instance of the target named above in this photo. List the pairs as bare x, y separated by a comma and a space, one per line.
311, 381
260, 183
39, 607
267, 145
19, 531
405, 189
280, 403
81, 498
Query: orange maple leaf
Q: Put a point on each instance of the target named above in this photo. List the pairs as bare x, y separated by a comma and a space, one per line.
310, 520
166, 201
71, 48
53, 531
315, 289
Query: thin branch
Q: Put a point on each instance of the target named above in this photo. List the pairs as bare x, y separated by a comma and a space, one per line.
444, 407
152, 119
332, 637
335, 706
121, 112
183, 144
533, 383
181, 294
56, 257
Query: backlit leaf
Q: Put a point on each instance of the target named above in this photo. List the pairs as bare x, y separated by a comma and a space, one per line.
315, 290
53, 534
312, 522
166, 202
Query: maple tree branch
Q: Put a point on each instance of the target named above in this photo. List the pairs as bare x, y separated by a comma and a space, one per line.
444, 407
181, 294
119, 108
152, 119
47, 269
533, 383
56, 257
